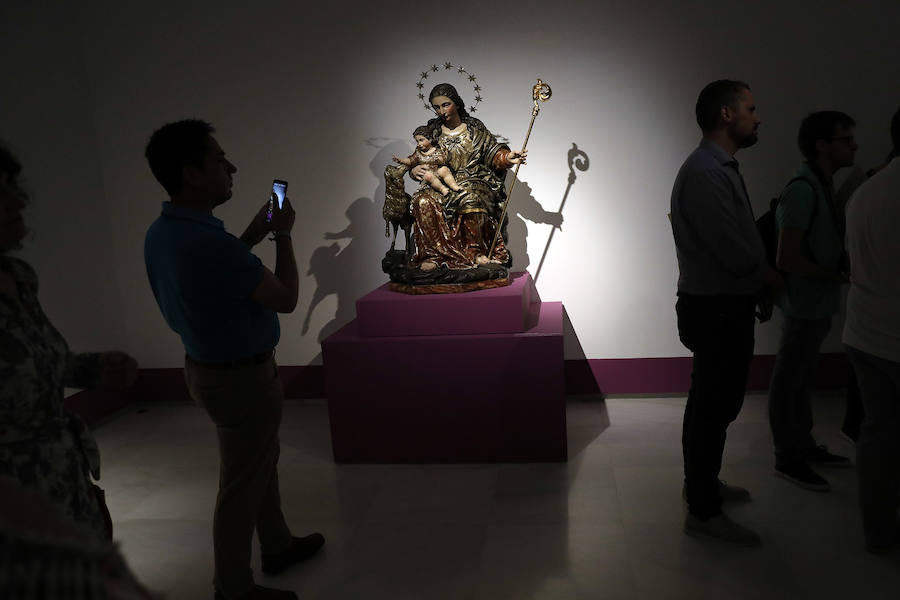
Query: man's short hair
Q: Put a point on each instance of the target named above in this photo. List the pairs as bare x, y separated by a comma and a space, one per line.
175, 146
724, 92
895, 132
820, 126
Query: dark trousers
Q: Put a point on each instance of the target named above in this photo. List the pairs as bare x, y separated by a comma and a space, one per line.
719, 331
791, 387
245, 404
878, 448
853, 415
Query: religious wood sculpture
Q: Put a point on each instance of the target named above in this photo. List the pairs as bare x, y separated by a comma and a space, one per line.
453, 241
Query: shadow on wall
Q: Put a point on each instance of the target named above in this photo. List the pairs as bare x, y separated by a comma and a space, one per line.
338, 270
354, 270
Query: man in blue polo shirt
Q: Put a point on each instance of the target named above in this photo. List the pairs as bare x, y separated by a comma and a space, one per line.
223, 301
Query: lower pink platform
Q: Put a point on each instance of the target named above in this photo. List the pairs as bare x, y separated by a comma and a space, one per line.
449, 398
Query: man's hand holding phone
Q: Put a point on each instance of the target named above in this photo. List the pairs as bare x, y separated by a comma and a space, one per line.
282, 219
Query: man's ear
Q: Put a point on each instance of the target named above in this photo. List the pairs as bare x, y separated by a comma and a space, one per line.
821, 145
725, 113
189, 174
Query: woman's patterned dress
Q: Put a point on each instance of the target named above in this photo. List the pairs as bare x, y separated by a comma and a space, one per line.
42, 445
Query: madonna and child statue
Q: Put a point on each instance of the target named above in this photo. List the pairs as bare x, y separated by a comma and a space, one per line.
454, 221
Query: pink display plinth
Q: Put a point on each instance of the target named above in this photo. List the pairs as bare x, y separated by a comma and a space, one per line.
383, 312
449, 398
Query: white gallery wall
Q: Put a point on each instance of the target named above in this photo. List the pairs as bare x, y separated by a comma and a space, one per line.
323, 96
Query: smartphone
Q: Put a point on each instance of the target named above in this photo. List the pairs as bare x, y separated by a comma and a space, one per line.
279, 189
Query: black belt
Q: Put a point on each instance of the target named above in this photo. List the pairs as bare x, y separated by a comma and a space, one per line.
230, 365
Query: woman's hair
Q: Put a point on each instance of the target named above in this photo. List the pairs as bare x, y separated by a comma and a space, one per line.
895, 134
11, 167
9, 164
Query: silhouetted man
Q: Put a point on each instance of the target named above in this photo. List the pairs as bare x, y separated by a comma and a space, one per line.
810, 227
722, 270
222, 301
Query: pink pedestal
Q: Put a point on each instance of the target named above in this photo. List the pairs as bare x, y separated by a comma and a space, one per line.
468, 397
496, 310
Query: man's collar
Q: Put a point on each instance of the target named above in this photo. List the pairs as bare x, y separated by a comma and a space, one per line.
179, 211
718, 152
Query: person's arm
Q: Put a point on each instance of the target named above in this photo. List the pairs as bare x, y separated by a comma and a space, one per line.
82, 370
279, 290
88, 370
506, 158
790, 258
405, 161
794, 215
24, 510
258, 228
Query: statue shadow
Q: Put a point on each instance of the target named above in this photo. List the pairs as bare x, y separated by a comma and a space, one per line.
351, 271
579, 377
524, 207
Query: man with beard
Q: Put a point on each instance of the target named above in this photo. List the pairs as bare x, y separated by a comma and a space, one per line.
222, 301
810, 227
722, 272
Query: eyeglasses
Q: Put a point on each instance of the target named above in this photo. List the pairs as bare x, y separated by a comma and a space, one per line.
847, 139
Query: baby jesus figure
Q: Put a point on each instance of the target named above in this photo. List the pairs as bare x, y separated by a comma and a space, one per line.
437, 175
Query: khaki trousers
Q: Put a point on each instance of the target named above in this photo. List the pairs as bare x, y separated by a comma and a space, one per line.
245, 405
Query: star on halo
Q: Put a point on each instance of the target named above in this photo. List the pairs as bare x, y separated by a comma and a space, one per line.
434, 68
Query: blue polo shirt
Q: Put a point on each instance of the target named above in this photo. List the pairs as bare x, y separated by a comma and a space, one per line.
202, 278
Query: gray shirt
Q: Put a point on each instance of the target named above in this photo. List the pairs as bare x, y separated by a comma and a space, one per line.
716, 241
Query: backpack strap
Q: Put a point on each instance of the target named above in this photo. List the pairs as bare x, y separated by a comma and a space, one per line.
812, 216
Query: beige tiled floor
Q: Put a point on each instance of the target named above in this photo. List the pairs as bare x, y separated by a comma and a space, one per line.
607, 524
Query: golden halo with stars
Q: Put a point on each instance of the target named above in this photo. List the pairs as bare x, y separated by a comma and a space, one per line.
470, 77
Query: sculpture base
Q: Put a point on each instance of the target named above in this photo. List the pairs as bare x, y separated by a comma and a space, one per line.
400, 272
478, 398
448, 288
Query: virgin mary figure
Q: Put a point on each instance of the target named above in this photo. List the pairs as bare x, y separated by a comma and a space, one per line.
452, 235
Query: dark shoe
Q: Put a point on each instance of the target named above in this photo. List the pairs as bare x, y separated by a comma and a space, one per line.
720, 527
821, 456
850, 434
301, 549
263, 593
728, 493
733, 493
802, 475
